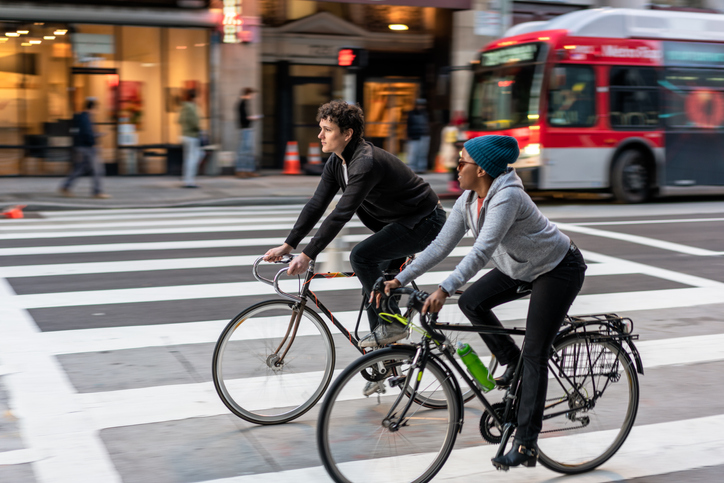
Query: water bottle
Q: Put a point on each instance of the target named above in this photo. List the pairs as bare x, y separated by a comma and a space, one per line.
475, 366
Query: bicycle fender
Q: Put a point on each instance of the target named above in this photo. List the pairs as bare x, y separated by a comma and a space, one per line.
636, 357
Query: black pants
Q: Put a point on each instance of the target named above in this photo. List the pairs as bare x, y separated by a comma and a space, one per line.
388, 248
552, 296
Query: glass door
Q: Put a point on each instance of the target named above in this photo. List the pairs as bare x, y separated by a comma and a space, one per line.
101, 85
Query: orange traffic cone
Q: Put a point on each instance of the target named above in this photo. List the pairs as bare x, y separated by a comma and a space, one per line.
14, 212
291, 159
314, 156
439, 166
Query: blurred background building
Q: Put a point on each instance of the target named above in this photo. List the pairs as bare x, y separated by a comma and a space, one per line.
139, 57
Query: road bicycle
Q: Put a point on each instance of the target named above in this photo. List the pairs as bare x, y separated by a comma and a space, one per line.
274, 360
591, 402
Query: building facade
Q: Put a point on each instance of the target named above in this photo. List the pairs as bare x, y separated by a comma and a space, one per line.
137, 58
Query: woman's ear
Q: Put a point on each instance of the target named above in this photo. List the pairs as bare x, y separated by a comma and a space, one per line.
348, 134
481, 172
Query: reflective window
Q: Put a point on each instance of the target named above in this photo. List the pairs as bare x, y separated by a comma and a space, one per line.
634, 97
694, 98
572, 96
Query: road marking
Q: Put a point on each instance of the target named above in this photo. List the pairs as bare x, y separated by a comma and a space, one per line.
55, 428
641, 240
155, 404
689, 444
647, 222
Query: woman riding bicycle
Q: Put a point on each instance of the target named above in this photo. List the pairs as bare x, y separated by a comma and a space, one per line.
526, 250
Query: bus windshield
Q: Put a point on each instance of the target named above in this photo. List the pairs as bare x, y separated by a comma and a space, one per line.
507, 87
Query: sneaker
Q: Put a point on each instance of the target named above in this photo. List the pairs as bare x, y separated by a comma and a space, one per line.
385, 333
372, 387
66, 192
101, 196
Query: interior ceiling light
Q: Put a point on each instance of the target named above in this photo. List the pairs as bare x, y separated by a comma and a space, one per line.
26, 44
12, 34
23, 32
60, 32
49, 37
398, 26
35, 41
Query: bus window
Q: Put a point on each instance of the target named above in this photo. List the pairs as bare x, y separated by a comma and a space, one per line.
571, 96
506, 88
634, 98
694, 98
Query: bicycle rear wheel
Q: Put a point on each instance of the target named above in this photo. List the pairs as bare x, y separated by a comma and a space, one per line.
248, 375
358, 443
591, 404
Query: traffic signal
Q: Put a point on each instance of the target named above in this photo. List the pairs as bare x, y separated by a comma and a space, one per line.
352, 57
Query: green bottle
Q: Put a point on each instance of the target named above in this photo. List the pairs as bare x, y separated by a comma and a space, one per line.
475, 366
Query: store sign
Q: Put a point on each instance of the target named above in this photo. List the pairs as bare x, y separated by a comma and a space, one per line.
232, 24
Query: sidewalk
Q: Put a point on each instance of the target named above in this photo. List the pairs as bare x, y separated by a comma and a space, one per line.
41, 193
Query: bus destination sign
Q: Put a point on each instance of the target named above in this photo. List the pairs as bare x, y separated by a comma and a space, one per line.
507, 55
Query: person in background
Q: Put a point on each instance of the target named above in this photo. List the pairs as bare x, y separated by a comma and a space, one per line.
450, 154
397, 205
245, 162
190, 131
418, 137
85, 153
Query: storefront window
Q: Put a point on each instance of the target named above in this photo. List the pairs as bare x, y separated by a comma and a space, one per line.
188, 67
386, 103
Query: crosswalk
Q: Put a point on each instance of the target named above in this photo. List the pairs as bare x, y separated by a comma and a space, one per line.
99, 310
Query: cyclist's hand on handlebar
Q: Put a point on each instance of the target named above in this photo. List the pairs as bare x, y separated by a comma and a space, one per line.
388, 286
276, 254
299, 265
434, 302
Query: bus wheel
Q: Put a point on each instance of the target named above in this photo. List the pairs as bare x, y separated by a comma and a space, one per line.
631, 178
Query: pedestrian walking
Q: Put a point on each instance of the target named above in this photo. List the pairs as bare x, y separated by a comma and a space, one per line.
190, 138
418, 137
85, 153
245, 161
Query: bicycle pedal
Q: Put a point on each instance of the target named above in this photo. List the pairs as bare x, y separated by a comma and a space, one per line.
395, 381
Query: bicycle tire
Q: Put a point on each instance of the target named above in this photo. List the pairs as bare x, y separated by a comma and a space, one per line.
245, 376
583, 439
451, 313
357, 445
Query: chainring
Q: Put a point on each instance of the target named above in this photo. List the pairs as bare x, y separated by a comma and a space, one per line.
488, 429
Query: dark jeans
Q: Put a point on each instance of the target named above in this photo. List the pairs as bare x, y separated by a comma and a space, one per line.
86, 159
388, 248
552, 296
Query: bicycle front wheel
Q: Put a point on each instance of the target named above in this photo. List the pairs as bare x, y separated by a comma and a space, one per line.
591, 404
253, 375
451, 314
359, 434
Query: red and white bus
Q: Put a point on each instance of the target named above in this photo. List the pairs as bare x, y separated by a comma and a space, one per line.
621, 100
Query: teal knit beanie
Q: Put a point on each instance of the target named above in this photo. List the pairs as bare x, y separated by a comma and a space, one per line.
493, 153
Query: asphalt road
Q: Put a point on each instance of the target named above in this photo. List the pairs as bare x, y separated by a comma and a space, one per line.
108, 321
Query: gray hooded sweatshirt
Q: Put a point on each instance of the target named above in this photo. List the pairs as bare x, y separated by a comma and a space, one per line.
510, 231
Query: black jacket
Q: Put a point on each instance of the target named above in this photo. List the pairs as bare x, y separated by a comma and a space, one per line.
418, 124
381, 190
82, 130
244, 121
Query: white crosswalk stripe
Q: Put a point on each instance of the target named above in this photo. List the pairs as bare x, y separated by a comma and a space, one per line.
62, 435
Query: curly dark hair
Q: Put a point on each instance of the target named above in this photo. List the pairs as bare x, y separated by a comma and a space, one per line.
346, 116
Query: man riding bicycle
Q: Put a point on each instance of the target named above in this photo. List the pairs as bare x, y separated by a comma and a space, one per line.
397, 205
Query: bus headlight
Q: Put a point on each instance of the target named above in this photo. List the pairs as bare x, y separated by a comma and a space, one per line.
532, 149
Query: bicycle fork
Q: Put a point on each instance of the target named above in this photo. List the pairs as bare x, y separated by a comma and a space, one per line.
276, 361
391, 421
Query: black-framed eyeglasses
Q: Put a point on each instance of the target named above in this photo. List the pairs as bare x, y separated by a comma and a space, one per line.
462, 163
